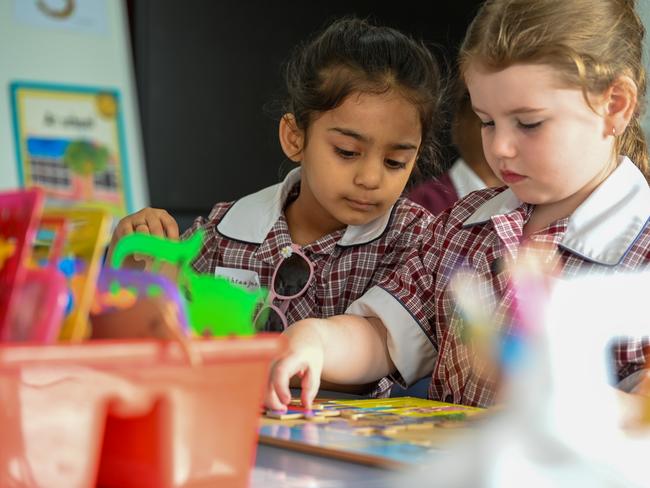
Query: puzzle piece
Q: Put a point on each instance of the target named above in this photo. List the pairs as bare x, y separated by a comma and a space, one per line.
301, 413
284, 415
316, 405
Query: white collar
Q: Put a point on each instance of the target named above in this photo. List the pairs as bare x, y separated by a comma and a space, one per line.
464, 179
604, 226
251, 218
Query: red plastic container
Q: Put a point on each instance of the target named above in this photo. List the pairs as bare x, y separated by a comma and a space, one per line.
132, 413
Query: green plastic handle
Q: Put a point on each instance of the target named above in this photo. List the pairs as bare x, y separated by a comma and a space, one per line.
215, 305
159, 248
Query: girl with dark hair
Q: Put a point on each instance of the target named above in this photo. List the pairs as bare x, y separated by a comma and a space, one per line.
361, 114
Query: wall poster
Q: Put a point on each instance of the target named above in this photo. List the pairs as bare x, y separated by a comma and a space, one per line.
70, 142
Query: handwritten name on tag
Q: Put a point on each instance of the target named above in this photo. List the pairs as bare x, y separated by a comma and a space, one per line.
242, 277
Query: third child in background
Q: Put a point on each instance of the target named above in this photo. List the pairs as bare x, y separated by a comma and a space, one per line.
469, 172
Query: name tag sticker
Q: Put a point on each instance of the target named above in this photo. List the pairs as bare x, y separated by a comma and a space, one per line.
242, 277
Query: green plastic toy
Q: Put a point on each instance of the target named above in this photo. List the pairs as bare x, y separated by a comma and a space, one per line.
215, 306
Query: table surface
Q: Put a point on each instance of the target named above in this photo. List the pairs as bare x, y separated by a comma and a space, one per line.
278, 467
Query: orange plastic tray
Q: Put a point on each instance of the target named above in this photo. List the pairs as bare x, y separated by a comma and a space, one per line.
132, 413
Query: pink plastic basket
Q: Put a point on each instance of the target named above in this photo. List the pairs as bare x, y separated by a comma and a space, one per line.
19, 214
132, 413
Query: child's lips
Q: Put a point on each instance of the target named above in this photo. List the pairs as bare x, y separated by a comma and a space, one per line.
510, 177
364, 205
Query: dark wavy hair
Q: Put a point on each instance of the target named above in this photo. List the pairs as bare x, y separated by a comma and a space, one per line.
353, 55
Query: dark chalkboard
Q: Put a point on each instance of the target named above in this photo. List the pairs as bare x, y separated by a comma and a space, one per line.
208, 73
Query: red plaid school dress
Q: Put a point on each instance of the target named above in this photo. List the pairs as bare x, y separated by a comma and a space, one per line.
248, 235
609, 232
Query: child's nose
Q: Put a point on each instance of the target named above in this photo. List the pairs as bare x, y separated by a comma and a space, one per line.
502, 143
369, 172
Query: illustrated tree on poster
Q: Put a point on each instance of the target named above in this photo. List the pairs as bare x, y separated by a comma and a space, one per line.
85, 159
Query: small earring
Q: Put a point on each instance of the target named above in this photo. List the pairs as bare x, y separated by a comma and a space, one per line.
614, 131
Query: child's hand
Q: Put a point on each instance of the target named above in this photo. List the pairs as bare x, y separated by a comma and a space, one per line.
343, 349
152, 221
636, 404
304, 359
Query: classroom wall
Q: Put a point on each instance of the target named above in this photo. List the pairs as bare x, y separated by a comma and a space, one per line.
90, 49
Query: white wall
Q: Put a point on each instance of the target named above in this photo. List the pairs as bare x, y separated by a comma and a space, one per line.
81, 54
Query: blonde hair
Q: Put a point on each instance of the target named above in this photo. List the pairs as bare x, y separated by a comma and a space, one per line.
589, 42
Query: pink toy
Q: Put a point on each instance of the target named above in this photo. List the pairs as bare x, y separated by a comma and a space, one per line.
19, 215
32, 298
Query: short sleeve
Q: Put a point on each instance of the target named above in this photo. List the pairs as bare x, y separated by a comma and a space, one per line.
404, 302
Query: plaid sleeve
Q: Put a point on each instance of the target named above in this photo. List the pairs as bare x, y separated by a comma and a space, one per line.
630, 355
204, 262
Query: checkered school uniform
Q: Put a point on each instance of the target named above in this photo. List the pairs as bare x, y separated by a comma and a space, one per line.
608, 233
248, 235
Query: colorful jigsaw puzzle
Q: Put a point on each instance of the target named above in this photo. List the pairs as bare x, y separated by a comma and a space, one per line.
390, 432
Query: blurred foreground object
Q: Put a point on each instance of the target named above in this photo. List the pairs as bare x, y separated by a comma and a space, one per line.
563, 424
132, 413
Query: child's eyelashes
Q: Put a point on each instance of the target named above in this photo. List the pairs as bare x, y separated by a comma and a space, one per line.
345, 154
520, 124
529, 126
390, 163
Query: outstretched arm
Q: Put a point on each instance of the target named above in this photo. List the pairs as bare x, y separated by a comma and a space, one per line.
345, 349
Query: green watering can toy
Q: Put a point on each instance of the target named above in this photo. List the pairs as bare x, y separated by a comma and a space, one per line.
215, 306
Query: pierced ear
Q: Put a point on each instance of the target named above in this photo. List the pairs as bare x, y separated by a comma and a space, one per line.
292, 138
621, 100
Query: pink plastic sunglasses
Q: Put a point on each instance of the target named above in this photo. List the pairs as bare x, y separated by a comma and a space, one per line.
290, 279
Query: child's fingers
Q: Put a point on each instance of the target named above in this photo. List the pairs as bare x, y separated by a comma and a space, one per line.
143, 228
153, 222
310, 384
142, 258
122, 231
140, 228
283, 371
154, 226
156, 222
134, 220
141, 223
123, 228
170, 226
272, 401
